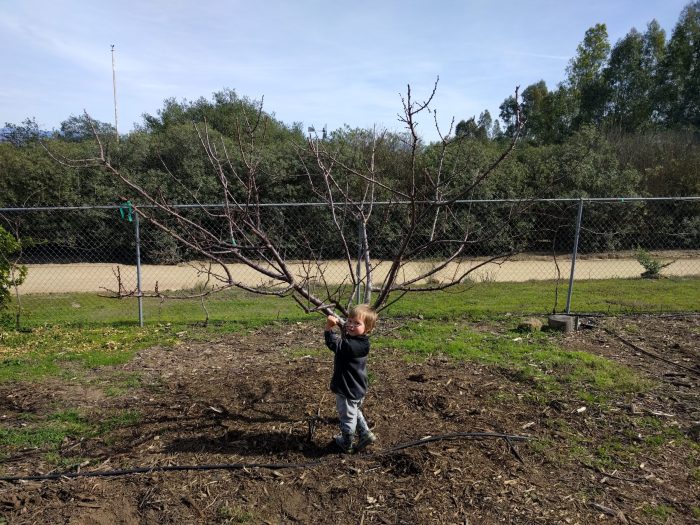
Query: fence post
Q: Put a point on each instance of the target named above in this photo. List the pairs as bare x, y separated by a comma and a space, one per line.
360, 240
139, 295
573, 255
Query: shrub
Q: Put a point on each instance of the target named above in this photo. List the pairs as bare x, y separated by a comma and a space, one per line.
11, 274
652, 266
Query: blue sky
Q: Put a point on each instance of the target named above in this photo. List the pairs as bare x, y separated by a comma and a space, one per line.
314, 62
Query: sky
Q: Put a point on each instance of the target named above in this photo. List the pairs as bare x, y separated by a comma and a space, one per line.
317, 63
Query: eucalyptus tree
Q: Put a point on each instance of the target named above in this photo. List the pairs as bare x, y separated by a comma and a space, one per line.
632, 77
547, 115
680, 70
628, 84
585, 80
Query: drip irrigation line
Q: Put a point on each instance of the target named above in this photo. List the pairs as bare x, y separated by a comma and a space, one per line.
164, 468
271, 466
651, 354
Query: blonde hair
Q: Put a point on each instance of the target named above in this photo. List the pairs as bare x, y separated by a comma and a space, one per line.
366, 314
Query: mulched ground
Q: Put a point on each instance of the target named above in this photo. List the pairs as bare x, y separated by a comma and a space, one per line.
249, 399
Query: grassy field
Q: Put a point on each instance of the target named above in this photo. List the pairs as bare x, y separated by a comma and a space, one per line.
234, 310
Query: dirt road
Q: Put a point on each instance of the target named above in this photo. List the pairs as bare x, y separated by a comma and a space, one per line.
63, 278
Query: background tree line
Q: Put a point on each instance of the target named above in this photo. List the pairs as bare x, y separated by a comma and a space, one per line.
624, 122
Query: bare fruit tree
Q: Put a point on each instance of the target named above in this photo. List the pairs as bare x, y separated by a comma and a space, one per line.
374, 185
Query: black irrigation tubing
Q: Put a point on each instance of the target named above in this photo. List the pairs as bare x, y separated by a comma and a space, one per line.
272, 466
165, 468
651, 354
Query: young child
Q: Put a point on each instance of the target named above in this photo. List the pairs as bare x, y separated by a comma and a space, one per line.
349, 382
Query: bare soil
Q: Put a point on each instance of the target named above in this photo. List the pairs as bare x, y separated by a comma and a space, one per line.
248, 399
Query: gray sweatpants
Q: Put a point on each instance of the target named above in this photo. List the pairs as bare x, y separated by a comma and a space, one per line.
350, 415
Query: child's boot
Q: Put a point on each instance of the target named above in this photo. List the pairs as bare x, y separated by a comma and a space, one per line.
366, 438
344, 442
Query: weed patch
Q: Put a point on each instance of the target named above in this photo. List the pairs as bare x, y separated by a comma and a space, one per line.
661, 513
233, 514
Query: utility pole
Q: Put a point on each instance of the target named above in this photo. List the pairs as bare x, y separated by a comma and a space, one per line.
114, 89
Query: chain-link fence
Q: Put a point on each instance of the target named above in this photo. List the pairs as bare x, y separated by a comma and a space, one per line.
99, 249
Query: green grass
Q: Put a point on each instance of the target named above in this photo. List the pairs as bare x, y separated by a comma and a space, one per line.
535, 357
47, 350
486, 300
122, 418
660, 513
120, 383
626, 444
88, 331
50, 432
228, 311
233, 514
236, 310
66, 463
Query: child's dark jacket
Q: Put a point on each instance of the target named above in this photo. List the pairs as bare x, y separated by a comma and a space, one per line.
350, 364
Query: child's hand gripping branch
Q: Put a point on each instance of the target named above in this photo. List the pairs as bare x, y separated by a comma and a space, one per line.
331, 322
349, 382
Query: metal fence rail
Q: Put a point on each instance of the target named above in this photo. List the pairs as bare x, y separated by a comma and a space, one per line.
98, 248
